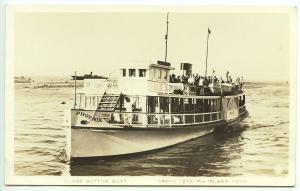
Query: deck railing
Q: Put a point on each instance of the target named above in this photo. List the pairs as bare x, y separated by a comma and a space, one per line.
144, 119
171, 87
157, 120
91, 101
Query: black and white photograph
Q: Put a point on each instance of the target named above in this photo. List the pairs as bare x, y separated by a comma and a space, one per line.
150, 95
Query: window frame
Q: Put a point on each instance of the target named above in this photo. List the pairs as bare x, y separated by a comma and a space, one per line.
143, 72
133, 74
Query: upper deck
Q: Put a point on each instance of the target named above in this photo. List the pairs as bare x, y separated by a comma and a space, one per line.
150, 94
157, 79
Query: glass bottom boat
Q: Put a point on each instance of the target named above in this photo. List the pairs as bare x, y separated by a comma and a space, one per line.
144, 112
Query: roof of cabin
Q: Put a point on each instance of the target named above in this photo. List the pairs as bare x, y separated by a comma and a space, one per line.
161, 66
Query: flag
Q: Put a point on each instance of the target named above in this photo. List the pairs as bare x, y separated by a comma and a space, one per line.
209, 31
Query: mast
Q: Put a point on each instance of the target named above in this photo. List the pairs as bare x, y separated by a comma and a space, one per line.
166, 38
208, 33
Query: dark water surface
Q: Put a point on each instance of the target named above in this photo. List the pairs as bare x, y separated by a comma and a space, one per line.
260, 149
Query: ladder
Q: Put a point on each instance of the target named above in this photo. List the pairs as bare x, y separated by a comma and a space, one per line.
108, 102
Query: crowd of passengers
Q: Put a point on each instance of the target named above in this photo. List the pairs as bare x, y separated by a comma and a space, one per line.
204, 84
205, 81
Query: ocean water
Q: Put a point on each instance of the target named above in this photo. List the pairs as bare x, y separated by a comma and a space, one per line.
259, 149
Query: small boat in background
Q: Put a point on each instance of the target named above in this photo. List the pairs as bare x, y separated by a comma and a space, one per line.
88, 76
22, 79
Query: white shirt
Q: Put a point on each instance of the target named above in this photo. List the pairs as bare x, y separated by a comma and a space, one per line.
201, 82
191, 80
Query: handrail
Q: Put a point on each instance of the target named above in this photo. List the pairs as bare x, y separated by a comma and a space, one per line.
157, 120
122, 112
162, 95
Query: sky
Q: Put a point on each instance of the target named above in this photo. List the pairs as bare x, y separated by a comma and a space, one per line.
255, 45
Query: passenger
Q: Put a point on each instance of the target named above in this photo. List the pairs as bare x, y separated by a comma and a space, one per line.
238, 83
221, 80
206, 81
193, 76
215, 79
191, 80
128, 106
201, 86
116, 117
213, 73
173, 78
227, 76
184, 79
242, 82
196, 80
201, 81
230, 79
210, 80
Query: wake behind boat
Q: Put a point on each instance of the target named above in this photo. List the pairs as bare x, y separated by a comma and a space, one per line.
149, 107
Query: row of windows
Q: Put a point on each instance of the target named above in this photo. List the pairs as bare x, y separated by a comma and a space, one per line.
156, 74
182, 105
132, 72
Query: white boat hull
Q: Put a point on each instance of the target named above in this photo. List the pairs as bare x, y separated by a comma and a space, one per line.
94, 142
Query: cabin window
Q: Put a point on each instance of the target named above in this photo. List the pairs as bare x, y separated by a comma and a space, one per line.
124, 72
164, 74
218, 105
199, 106
153, 104
206, 106
164, 104
131, 72
160, 74
151, 74
176, 105
142, 72
188, 105
154, 77
213, 105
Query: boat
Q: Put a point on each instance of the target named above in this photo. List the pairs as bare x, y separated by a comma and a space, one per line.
88, 76
144, 110
22, 79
